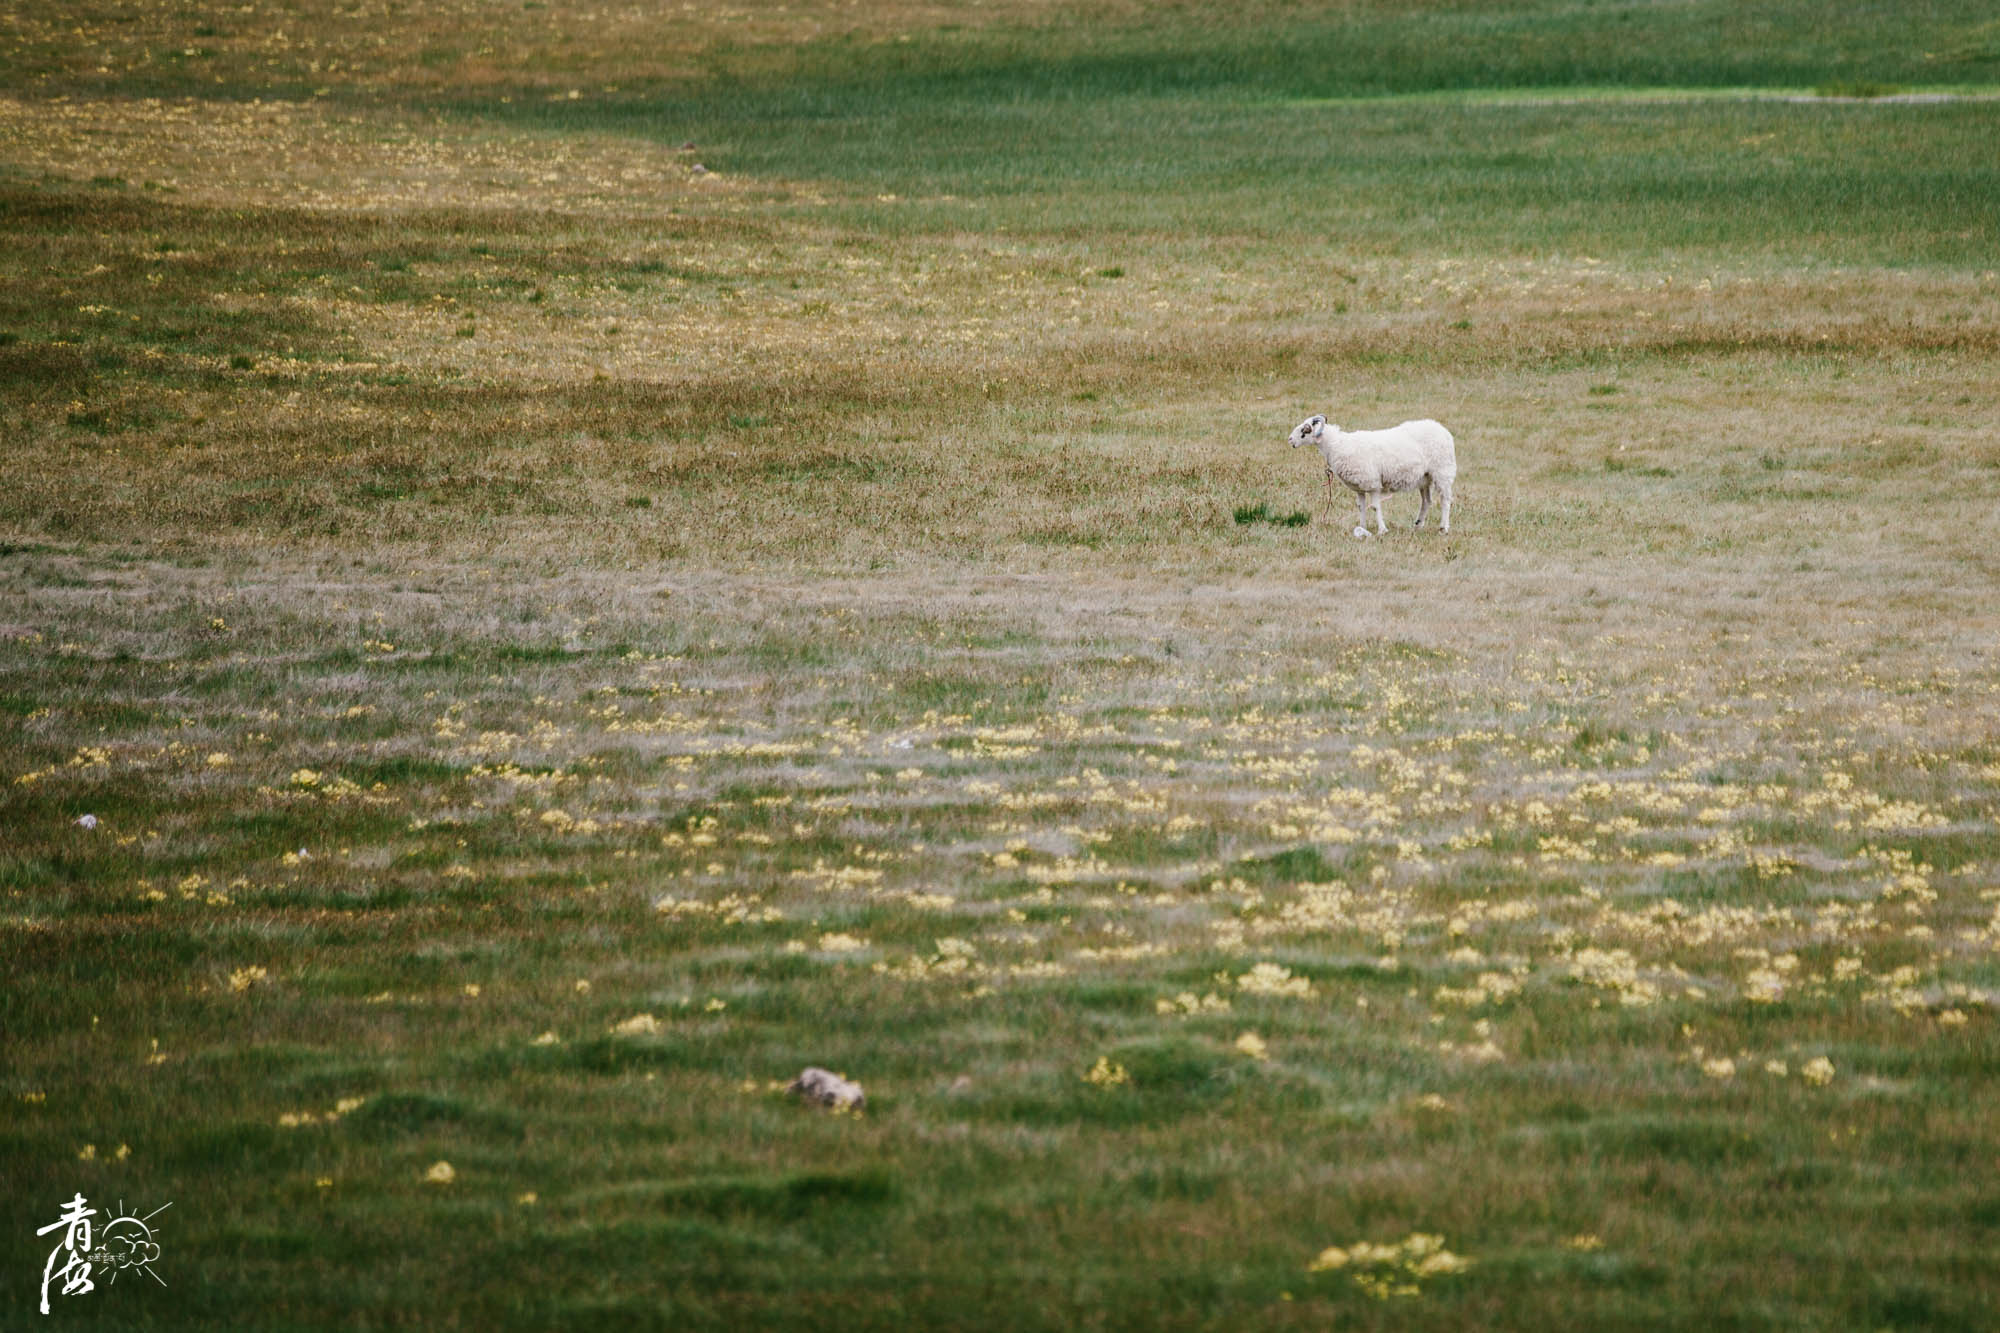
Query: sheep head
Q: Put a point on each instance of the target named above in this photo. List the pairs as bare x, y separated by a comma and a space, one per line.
1309, 431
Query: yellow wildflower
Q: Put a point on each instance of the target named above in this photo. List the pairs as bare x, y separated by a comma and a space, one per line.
1271, 979
1106, 1074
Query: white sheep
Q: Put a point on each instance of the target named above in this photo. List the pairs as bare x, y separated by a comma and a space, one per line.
1374, 462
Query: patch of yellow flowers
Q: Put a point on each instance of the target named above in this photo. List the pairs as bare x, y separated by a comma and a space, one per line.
1398, 1270
1106, 1073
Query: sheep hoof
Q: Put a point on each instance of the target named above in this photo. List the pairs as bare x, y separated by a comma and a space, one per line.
1361, 532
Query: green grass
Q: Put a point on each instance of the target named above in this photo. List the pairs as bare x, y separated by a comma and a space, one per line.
555, 644
1608, 177
1261, 513
983, 1144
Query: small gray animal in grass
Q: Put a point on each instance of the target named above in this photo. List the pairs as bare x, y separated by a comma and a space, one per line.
1374, 463
823, 1087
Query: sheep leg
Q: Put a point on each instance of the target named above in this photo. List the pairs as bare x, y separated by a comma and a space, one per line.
1360, 514
1444, 506
1381, 528
1423, 502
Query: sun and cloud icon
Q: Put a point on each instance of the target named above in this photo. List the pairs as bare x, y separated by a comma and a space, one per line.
127, 1243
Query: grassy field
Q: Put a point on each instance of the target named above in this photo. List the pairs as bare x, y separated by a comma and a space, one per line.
554, 641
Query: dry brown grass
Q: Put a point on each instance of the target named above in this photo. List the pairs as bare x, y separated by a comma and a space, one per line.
467, 370
467, 46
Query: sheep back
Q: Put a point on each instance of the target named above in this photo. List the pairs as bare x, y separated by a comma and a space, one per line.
1397, 459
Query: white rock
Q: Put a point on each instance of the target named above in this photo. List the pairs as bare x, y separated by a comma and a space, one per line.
86, 821
827, 1088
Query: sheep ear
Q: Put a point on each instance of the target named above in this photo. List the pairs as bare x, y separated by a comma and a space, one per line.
1318, 423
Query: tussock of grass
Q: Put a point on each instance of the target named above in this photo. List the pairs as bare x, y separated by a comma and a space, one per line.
1261, 513
1860, 89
